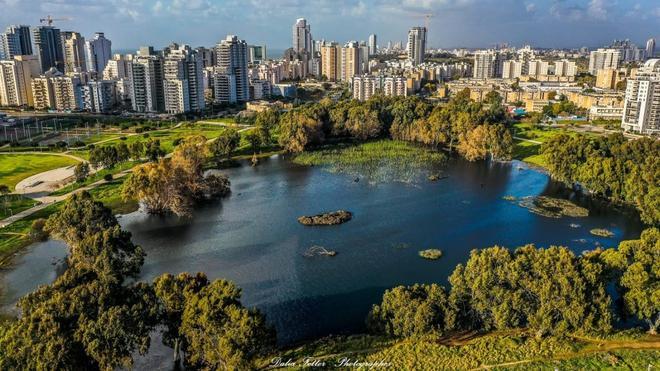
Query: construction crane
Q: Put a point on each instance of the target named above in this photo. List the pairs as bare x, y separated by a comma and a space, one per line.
49, 20
427, 18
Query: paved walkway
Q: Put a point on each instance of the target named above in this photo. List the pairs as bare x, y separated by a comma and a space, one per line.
528, 140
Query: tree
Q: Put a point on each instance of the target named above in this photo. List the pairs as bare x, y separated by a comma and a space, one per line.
4, 190
254, 139
265, 122
300, 128
409, 311
363, 123
81, 172
136, 149
638, 262
88, 318
123, 152
226, 144
175, 184
153, 150
173, 292
219, 333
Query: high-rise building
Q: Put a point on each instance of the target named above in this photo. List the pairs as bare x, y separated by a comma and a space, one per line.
650, 48
224, 86
331, 61
99, 96
117, 68
395, 87
15, 80
146, 82
15, 41
565, 68
74, 52
98, 51
641, 108
183, 83
488, 64
302, 36
350, 61
48, 42
232, 57
603, 59
628, 51
416, 44
257, 53
373, 46
206, 55
512, 69
537, 67
68, 93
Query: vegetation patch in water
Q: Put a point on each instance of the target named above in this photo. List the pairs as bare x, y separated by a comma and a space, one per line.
553, 207
431, 254
601, 232
380, 161
318, 251
332, 218
509, 198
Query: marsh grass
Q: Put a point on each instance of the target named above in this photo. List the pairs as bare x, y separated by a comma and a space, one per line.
378, 161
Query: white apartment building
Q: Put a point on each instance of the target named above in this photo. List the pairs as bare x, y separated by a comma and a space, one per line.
565, 68
512, 69
74, 52
487, 64
99, 96
641, 108
364, 87
416, 46
395, 86
537, 68
15, 80
604, 59
98, 51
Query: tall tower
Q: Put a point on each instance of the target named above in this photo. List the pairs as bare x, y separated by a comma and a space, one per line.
232, 56
15, 41
416, 44
373, 46
302, 36
650, 48
48, 41
99, 52
74, 52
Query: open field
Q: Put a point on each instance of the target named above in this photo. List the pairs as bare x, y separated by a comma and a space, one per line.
13, 203
16, 167
504, 350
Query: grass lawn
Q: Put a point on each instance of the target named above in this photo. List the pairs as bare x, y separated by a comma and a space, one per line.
504, 350
12, 204
110, 194
382, 160
94, 178
17, 235
16, 167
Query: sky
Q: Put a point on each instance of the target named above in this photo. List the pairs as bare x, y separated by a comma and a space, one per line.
455, 23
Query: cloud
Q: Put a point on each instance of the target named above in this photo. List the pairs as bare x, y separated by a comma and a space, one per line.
530, 7
597, 9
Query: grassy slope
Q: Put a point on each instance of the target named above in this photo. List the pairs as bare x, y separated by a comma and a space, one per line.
12, 204
499, 351
16, 167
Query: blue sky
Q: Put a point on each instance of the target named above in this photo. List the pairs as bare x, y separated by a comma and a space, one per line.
470, 23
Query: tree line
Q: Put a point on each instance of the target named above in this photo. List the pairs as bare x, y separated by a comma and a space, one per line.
477, 130
548, 291
95, 316
611, 167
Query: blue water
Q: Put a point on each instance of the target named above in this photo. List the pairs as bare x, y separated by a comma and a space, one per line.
253, 238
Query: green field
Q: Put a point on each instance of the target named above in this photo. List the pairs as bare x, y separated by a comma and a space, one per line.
94, 178
382, 160
110, 194
16, 167
12, 204
505, 350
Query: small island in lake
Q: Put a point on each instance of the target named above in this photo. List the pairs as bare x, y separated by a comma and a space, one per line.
602, 232
332, 218
431, 254
552, 207
318, 251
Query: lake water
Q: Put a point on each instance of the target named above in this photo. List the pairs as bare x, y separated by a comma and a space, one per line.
253, 238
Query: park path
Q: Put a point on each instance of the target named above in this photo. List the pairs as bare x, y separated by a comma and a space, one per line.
528, 140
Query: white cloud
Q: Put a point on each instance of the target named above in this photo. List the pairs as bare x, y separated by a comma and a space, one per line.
530, 7
597, 9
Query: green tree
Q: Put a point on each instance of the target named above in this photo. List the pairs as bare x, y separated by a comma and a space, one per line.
266, 121
226, 144
153, 150
409, 311
300, 128
136, 150
220, 334
638, 262
81, 172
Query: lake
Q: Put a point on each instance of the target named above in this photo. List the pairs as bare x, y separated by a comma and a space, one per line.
253, 238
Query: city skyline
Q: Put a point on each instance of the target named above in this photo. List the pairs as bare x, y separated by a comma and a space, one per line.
460, 23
